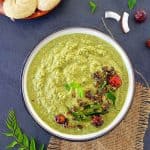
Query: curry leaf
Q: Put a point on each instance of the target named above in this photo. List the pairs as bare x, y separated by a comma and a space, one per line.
32, 144
12, 145
67, 87
101, 87
93, 106
21, 148
80, 92
25, 140
8, 134
93, 113
93, 6
80, 116
111, 97
8, 124
131, 3
41, 147
75, 86
18, 134
92, 109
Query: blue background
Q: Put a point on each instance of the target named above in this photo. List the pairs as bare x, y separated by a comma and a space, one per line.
17, 39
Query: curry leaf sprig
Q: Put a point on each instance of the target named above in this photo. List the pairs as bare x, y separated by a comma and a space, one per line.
84, 114
131, 4
20, 139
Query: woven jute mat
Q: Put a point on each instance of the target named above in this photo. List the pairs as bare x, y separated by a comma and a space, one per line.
128, 135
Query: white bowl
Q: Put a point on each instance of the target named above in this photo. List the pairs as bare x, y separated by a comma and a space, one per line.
128, 99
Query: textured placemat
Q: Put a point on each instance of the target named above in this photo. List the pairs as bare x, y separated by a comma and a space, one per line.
128, 135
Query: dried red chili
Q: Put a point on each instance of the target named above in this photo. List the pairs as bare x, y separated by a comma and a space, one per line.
115, 81
61, 119
97, 120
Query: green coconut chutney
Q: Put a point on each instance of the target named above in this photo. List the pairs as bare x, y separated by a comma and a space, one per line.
64, 60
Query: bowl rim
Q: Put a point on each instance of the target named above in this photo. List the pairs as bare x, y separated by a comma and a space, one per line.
125, 106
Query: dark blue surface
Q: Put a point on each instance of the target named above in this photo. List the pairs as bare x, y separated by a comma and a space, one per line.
17, 39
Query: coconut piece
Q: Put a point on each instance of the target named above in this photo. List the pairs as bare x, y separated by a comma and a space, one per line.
47, 5
125, 22
112, 15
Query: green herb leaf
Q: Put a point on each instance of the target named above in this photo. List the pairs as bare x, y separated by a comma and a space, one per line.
32, 144
9, 125
75, 86
80, 92
8, 134
93, 6
25, 140
92, 109
67, 87
19, 134
131, 4
101, 87
111, 97
41, 147
80, 116
77, 115
21, 148
22, 141
70, 86
93, 113
12, 145
84, 113
93, 106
